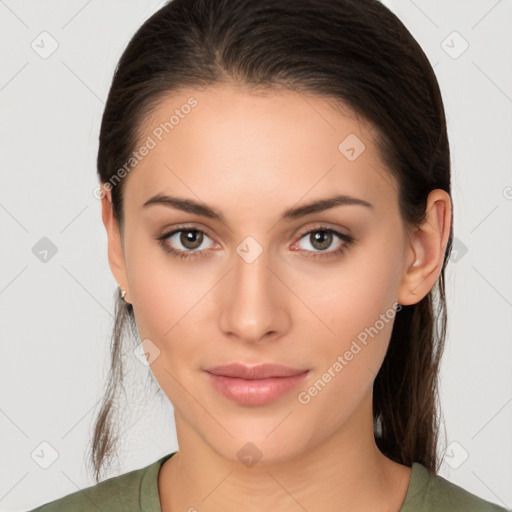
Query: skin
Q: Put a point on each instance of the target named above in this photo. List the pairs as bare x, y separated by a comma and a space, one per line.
251, 156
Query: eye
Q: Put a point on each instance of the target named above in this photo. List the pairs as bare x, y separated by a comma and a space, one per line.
189, 238
321, 238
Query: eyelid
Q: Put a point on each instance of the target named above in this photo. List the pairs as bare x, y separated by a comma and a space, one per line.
167, 232
320, 225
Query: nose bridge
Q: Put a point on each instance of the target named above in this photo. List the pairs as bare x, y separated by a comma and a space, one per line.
250, 309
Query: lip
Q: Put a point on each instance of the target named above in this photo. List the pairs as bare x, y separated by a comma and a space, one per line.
254, 385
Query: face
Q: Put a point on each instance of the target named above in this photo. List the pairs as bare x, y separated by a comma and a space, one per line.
313, 290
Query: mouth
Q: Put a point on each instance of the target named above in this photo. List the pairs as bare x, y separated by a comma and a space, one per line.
254, 385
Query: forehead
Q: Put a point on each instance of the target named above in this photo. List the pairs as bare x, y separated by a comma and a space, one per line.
224, 144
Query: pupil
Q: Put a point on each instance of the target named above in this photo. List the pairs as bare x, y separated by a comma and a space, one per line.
191, 239
318, 236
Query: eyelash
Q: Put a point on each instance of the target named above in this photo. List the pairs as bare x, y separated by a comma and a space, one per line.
348, 240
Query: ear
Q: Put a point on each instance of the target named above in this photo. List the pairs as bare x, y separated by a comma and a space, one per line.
115, 244
427, 246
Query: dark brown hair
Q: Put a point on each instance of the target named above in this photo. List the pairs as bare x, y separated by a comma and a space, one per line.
355, 52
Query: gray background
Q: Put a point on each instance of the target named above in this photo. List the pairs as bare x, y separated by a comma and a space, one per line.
57, 314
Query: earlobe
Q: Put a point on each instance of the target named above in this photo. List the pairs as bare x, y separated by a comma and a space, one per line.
427, 245
115, 247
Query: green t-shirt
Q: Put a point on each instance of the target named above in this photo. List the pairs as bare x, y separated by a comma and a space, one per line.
138, 491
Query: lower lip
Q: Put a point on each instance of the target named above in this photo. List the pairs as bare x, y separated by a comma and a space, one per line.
256, 391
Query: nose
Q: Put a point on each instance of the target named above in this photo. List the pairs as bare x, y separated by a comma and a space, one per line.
252, 301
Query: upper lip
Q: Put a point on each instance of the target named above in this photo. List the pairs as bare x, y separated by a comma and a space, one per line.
261, 371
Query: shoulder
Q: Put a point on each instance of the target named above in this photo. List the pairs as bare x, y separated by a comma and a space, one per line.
120, 493
430, 492
105, 495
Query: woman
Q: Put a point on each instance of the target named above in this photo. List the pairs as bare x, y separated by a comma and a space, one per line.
275, 186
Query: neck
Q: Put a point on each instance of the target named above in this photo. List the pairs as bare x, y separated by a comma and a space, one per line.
344, 472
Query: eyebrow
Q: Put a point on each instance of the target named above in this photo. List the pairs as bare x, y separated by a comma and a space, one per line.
191, 206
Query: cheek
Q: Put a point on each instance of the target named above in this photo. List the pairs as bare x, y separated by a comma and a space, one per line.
352, 297
162, 288
357, 307
348, 360
164, 299
169, 300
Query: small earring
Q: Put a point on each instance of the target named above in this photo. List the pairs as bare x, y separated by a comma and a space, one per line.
122, 294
